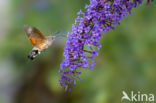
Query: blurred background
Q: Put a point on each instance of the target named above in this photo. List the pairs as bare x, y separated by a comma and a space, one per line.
127, 60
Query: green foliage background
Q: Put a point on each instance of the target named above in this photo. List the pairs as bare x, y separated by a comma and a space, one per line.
127, 60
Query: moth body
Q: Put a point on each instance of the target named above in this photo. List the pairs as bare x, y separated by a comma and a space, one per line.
38, 40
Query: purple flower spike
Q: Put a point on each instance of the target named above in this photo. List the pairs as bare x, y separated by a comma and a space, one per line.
83, 42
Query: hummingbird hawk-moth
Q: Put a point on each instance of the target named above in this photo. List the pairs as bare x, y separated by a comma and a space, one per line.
38, 40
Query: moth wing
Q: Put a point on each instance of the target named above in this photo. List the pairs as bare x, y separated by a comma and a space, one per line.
28, 30
35, 36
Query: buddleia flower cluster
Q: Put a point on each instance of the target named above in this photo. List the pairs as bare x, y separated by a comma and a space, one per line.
83, 42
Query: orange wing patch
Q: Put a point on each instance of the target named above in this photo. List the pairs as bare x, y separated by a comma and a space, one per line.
35, 37
33, 41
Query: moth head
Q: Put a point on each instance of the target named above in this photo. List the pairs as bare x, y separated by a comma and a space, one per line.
50, 39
